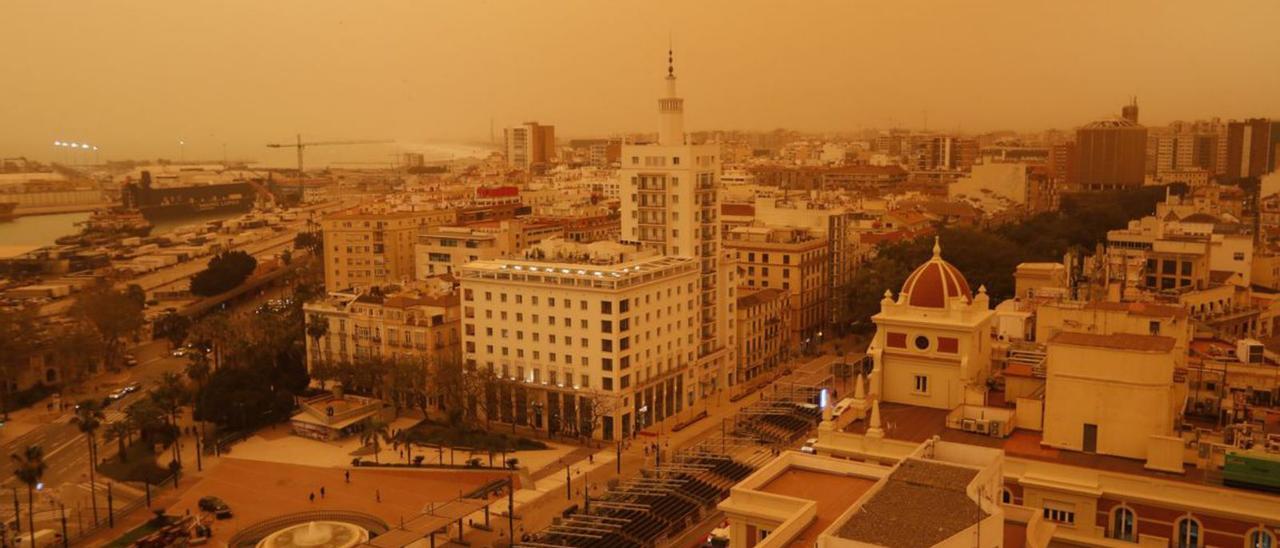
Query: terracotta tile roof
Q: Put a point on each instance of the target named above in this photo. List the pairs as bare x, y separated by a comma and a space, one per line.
934, 283
1116, 341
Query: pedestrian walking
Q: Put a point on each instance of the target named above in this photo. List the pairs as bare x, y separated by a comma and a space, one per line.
347, 473
312, 496
377, 495
321, 491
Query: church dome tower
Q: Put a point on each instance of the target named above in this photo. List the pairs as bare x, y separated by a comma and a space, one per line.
935, 284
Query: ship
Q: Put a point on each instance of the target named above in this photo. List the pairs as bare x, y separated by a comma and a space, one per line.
167, 202
105, 225
6, 211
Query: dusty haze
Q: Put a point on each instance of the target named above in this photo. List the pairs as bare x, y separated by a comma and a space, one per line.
137, 76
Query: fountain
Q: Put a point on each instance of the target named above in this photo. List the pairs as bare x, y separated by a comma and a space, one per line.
316, 534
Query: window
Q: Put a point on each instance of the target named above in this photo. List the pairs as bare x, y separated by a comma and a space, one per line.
607, 384
922, 384
1154, 327
1187, 530
606, 364
921, 342
1260, 538
1123, 524
1059, 515
606, 326
1006, 496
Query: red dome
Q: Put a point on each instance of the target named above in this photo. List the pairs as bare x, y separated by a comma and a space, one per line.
935, 283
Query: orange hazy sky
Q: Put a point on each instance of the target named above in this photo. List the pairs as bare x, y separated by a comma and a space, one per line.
136, 76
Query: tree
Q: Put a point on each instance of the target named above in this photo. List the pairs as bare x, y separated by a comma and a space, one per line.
238, 398
29, 467
448, 385
136, 294
88, 419
225, 272
317, 328
479, 385
169, 396
198, 368
172, 326
112, 315
149, 420
374, 432
77, 347
990, 257
120, 432
312, 241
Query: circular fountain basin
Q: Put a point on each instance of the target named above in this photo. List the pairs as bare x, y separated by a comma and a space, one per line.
316, 534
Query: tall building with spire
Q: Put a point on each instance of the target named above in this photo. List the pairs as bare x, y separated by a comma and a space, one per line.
670, 203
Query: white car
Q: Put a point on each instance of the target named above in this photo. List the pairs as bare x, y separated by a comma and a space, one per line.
841, 407
808, 446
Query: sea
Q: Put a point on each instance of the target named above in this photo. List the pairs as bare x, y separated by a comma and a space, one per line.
42, 230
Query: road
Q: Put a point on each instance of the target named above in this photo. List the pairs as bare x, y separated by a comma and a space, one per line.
66, 478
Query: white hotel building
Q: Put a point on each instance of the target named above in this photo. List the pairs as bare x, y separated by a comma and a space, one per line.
591, 339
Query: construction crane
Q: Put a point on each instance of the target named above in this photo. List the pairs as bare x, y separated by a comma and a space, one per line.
302, 146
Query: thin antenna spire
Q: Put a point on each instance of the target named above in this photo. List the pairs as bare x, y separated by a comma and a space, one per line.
671, 58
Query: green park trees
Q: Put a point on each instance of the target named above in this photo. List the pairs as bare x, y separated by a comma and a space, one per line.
225, 272
989, 256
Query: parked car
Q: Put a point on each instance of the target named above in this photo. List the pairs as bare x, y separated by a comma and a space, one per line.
808, 446
132, 387
215, 506
130, 360
841, 407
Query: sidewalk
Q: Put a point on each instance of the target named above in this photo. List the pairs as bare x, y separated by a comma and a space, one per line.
536, 506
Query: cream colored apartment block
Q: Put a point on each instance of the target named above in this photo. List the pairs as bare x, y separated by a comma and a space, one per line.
367, 249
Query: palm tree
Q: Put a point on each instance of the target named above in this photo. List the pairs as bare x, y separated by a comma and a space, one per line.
403, 440
120, 431
89, 418
29, 467
170, 396
375, 432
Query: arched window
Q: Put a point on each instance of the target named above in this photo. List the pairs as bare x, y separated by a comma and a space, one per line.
1188, 533
1260, 538
1006, 496
1124, 524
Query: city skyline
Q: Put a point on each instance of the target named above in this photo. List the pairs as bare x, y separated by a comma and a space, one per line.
422, 73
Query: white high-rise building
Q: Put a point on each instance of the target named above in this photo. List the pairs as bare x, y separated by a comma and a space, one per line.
670, 203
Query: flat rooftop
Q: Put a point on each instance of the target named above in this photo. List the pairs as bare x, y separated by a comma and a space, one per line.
921, 503
833, 494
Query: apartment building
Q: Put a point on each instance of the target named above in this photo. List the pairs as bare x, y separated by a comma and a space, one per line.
595, 340
793, 260
365, 249
408, 324
530, 144
443, 249
764, 329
